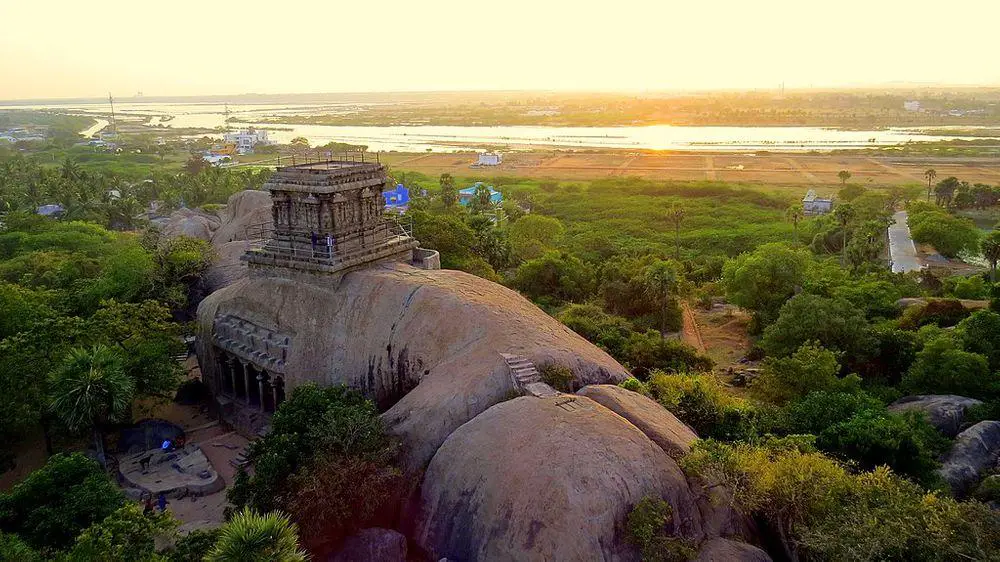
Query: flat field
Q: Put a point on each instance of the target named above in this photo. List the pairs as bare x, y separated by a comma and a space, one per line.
779, 169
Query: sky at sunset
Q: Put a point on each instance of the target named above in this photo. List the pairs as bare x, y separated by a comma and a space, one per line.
57, 49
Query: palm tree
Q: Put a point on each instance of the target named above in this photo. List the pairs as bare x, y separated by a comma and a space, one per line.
90, 389
251, 537
991, 251
449, 195
795, 214
675, 215
844, 175
930, 175
659, 279
844, 214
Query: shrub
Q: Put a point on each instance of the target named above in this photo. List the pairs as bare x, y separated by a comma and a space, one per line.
14, 549
942, 368
646, 352
194, 546
126, 534
762, 281
647, 529
327, 462
701, 402
821, 409
558, 377
809, 369
609, 332
820, 511
50, 507
635, 385
940, 312
906, 443
980, 333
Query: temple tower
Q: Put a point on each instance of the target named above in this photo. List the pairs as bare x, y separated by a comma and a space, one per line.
328, 219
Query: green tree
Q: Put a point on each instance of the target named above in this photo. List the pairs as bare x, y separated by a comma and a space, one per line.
89, 389
676, 215
930, 174
845, 214
14, 549
555, 275
661, 281
844, 175
126, 534
795, 214
251, 537
834, 323
55, 503
990, 247
980, 333
944, 191
763, 280
299, 142
449, 193
811, 368
948, 234
942, 368
533, 235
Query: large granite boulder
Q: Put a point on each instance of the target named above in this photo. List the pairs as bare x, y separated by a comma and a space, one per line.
191, 223
945, 411
372, 545
244, 210
647, 415
424, 344
725, 550
975, 450
226, 268
545, 479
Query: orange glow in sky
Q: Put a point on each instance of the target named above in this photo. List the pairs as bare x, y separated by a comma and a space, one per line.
68, 48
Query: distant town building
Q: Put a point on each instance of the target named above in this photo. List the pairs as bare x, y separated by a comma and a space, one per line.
397, 199
489, 159
813, 205
465, 196
911, 105
246, 139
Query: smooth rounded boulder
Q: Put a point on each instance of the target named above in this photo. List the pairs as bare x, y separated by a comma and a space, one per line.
946, 412
546, 479
646, 414
975, 450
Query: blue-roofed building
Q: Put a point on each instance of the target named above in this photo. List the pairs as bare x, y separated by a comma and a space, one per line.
397, 198
52, 210
465, 196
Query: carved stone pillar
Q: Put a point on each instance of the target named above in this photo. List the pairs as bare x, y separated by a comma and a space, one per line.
260, 387
246, 381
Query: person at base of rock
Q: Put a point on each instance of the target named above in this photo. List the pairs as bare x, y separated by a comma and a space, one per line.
161, 502
147, 509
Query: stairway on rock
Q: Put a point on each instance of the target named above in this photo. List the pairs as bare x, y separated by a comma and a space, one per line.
526, 377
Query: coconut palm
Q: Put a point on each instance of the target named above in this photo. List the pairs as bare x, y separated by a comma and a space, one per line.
675, 215
844, 214
930, 175
251, 537
89, 389
991, 251
659, 279
795, 214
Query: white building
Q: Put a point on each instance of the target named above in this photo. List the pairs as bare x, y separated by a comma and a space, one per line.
813, 205
911, 105
489, 159
245, 140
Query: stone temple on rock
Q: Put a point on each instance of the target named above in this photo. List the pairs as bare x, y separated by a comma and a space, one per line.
328, 219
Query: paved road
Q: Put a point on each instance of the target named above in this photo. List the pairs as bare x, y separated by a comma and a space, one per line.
902, 252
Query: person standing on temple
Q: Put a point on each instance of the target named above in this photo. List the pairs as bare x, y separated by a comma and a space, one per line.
329, 245
315, 240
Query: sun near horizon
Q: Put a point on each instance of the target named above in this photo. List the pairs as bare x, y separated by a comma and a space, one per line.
62, 49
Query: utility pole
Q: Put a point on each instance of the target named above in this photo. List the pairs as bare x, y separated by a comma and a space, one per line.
114, 124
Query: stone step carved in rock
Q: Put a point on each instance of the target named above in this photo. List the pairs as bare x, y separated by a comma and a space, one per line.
526, 378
